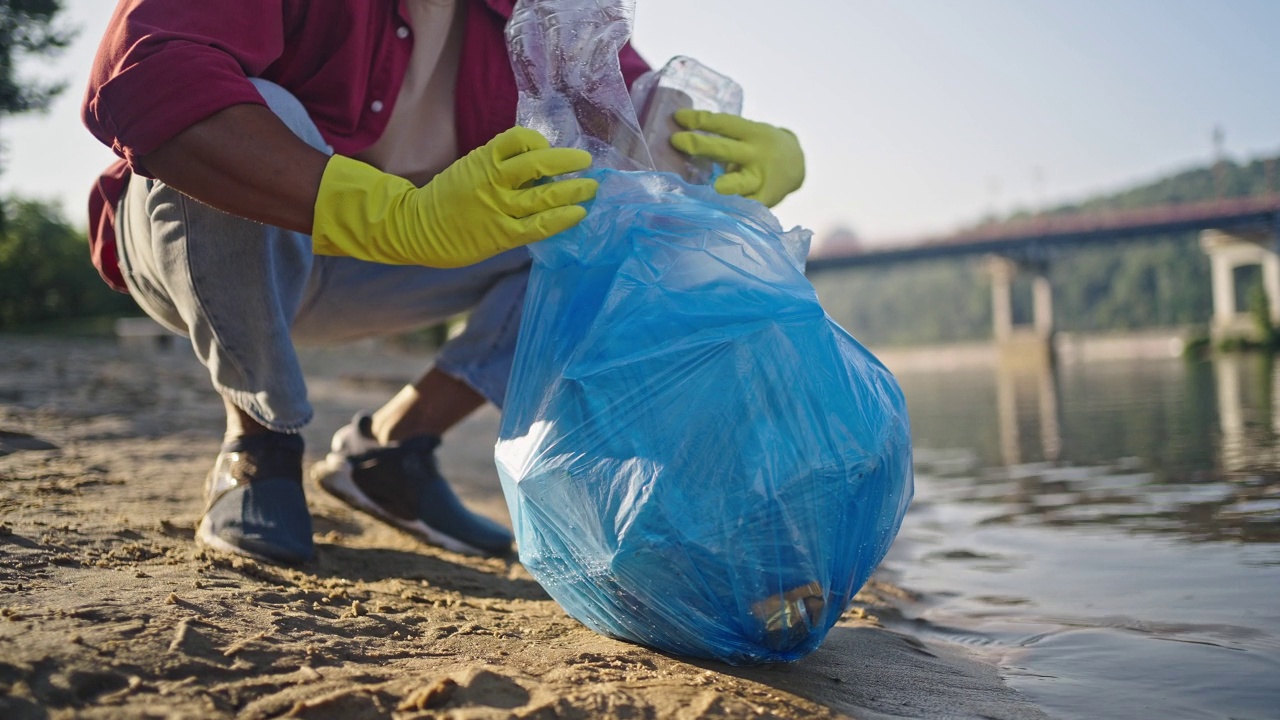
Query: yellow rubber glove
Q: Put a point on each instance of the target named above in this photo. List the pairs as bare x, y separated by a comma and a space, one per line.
764, 163
478, 207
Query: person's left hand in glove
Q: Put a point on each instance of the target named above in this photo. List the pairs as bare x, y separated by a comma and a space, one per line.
763, 162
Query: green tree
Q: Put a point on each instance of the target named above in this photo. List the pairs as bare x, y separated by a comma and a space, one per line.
45, 273
27, 29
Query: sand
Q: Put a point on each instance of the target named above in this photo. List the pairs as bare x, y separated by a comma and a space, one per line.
108, 609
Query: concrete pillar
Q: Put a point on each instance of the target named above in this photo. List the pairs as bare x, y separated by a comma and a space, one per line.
1228, 251
1042, 305
1002, 271
1222, 273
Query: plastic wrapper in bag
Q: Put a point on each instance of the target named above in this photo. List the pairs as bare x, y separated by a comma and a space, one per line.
695, 456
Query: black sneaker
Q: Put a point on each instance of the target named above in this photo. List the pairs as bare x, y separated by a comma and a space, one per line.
255, 505
400, 484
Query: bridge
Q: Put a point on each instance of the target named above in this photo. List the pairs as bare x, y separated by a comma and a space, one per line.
1234, 232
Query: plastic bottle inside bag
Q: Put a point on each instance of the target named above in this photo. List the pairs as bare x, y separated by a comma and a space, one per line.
565, 58
682, 83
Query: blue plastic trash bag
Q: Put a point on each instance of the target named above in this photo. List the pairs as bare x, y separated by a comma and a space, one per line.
695, 456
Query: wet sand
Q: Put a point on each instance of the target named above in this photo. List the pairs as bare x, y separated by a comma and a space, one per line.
109, 610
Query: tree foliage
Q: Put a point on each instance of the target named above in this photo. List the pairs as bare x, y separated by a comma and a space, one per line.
45, 273
27, 28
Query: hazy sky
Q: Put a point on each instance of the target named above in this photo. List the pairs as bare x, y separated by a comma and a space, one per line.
916, 115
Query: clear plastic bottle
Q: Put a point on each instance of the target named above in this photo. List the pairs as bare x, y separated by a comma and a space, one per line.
565, 57
682, 83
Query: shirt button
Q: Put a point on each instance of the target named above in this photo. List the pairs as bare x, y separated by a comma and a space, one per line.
402, 32
376, 106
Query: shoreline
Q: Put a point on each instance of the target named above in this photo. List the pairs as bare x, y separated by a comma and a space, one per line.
111, 611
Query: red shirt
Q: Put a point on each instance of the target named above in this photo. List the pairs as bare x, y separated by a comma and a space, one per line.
165, 65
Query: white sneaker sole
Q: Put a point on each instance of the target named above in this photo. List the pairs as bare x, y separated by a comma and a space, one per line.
333, 474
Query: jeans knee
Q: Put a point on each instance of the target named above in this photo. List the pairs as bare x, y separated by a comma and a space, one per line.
292, 113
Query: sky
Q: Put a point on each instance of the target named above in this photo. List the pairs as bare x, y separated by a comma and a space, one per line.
916, 116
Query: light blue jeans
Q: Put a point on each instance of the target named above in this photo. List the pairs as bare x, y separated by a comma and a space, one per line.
245, 292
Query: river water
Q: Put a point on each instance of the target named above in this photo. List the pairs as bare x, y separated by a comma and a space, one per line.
1107, 533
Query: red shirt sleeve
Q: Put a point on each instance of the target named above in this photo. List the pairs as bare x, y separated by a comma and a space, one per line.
165, 65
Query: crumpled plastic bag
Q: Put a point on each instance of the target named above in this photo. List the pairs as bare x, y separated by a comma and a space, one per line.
694, 455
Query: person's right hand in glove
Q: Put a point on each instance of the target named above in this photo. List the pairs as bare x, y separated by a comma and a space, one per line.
481, 205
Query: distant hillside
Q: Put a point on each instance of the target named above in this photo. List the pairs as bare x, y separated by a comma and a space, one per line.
1161, 282
1257, 177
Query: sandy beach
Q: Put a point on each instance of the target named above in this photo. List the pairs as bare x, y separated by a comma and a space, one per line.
108, 609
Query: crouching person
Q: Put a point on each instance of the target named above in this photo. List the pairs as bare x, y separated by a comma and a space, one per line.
318, 171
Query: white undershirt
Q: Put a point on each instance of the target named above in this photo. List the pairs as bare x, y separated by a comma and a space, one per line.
421, 136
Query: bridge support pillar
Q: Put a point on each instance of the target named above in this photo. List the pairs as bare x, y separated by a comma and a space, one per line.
1228, 251
1021, 345
1003, 271
1042, 305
